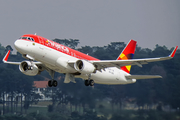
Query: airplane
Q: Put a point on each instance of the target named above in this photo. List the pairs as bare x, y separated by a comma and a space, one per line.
44, 54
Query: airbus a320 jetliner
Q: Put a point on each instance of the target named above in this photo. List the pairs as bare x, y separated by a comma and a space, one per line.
54, 57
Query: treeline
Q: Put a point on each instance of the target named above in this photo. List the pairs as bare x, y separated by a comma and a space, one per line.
157, 94
90, 115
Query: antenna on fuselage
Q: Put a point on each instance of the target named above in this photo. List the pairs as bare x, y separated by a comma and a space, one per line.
35, 33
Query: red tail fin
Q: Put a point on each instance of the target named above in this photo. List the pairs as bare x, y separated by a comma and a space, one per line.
128, 53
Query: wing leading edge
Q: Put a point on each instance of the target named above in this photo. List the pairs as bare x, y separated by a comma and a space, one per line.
139, 62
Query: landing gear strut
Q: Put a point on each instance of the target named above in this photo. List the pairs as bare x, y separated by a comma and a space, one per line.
52, 82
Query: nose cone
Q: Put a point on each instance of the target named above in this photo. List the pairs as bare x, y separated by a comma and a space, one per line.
18, 44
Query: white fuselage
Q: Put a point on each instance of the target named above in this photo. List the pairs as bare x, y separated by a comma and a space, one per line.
50, 57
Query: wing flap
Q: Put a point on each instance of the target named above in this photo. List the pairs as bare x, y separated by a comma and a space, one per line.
143, 76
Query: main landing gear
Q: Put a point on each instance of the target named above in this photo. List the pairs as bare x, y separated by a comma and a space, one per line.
52, 82
89, 82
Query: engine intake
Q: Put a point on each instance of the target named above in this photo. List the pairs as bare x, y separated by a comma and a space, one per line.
85, 67
28, 68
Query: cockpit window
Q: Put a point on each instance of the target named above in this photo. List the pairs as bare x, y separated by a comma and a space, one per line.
27, 38
23, 38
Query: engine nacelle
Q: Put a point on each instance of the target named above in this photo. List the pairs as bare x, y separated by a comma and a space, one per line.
28, 68
85, 67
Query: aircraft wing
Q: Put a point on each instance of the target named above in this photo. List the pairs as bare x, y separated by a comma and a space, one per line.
139, 62
15, 63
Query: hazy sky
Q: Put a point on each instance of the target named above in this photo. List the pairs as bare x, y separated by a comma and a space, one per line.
93, 22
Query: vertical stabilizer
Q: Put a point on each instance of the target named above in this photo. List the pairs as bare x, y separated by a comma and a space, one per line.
128, 53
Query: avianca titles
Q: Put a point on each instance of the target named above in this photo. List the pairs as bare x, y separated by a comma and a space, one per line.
54, 57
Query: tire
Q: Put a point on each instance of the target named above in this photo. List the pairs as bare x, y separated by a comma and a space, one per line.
91, 82
86, 82
55, 83
50, 83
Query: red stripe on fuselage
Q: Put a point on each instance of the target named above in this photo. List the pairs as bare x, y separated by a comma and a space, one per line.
61, 48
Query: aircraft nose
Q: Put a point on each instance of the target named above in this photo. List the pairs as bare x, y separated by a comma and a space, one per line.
18, 45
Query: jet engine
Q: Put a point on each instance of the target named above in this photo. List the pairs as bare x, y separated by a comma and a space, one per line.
28, 68
85, 67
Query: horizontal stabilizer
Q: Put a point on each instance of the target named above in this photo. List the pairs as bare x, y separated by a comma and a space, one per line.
143, 76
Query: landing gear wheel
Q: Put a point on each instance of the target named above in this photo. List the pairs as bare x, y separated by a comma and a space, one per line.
54, 83
86, 82
50, 83
91, 82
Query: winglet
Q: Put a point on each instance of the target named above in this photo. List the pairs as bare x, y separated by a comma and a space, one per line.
6, 56
173, 52
5, 59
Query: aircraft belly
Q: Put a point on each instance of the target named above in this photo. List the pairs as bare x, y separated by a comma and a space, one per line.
109, 77
55, 68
